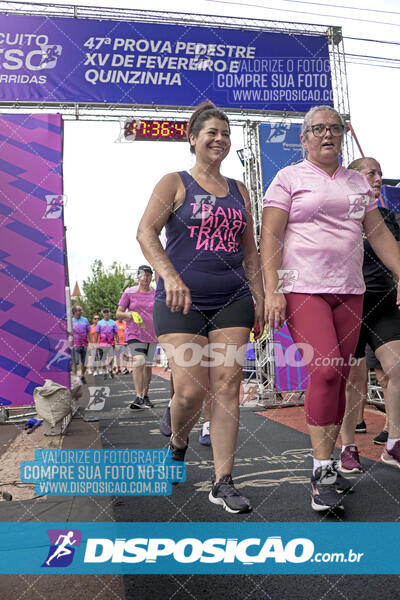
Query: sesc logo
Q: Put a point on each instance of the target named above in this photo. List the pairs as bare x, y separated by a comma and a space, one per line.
190, 550
62, 547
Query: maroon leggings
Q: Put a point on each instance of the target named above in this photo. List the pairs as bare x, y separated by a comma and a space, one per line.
330, 325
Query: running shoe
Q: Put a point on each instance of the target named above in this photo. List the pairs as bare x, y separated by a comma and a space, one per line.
105, 376
361, 427
95, 374
392, 457
178, 453
350, 460
343, 485
204, 437
111, 374
83, 379
89, 372
381, 438
324, 495
137, 404
125, 371
165, 423
147, 403
223, 492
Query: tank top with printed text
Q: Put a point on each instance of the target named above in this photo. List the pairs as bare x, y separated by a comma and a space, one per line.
203, 243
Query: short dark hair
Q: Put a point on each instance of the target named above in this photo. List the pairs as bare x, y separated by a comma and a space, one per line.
105, 310
206, 110
145, 268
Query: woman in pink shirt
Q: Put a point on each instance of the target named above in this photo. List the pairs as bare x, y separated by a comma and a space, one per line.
315, 214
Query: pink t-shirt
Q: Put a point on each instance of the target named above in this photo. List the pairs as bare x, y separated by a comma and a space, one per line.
142, 303
322, 246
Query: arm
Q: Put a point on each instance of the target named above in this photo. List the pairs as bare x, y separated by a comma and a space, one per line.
252, 266
167, 194
272, 233
383, 243
122, 313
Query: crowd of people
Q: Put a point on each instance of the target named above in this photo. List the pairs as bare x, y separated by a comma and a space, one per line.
329, 266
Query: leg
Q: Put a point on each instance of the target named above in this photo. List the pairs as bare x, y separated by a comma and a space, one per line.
148, 372
225, 384
190, 381
389, 357
383, 380
322, 397
355, 392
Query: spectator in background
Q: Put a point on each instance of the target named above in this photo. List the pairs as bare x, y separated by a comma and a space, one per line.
106, 338
81, 339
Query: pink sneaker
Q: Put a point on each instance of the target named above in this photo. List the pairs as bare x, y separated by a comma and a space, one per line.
350, 461
392, 457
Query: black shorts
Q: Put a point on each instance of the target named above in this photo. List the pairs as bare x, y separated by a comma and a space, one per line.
380, 321
146, 349
372, 361
239, 313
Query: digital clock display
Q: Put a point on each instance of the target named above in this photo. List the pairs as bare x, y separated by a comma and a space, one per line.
137, 129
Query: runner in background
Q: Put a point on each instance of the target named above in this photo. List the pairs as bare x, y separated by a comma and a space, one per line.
136, 308
120, 359
381, 330
92, 350
106, 338
81, 339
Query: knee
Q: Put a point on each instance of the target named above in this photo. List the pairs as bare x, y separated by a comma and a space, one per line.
189, 396
327, 375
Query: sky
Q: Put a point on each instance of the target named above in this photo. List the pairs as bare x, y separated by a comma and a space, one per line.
108, 184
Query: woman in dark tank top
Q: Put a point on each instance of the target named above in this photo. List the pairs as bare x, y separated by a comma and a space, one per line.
209, 293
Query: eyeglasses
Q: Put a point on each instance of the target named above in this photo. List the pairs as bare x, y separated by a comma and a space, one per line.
319, 130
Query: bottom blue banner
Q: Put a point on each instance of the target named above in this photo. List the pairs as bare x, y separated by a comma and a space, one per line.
199, 548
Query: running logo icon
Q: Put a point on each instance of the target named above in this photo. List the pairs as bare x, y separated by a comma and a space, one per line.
62, 547
50, 55
357, 204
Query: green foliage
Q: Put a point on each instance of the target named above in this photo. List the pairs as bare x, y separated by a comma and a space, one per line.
103, 288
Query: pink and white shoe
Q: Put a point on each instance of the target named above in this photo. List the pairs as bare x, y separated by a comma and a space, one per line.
392, 457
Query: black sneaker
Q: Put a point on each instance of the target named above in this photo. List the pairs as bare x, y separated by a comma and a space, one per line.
381, 438
147, 403
324, 495
223, 492
137, 403
83, 379
165, 423
178, 453
361, 427
343, 485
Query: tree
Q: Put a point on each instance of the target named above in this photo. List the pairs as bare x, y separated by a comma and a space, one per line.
103, 288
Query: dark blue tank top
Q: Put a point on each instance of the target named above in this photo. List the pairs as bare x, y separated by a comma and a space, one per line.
203, 244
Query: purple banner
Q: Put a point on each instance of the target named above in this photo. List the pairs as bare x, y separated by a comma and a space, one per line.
33, 335
53, 59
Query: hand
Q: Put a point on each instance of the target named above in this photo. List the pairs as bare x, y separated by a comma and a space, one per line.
177, 295
275, 309
259, 321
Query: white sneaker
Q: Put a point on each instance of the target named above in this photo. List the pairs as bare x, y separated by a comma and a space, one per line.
95, 373
89, 372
